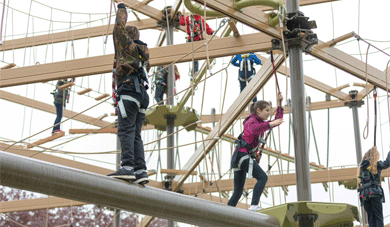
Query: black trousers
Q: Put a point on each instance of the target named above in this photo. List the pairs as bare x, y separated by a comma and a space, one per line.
159, 94
374, 209
129, 128
240, 178
59, 109
243, 85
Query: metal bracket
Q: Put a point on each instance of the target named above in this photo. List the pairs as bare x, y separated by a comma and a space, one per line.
298, 33
353, 94
166, 13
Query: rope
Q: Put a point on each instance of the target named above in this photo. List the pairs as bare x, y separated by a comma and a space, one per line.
2, 22
55, 124
109, 21
366, 128
12, 220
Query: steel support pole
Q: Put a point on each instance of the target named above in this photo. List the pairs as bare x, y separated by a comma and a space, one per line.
117, 213
56, 180
299, 121
358, 144
170, 119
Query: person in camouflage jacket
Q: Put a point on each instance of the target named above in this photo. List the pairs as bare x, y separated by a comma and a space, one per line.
130, 75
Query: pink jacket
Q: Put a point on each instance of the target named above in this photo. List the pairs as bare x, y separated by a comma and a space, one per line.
255, 126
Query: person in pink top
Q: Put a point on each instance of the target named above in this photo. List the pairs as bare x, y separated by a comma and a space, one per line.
255, 125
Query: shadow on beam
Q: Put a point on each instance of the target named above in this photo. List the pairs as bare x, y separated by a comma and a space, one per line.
47, 178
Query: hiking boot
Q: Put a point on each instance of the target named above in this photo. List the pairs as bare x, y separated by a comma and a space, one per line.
141, 177
254, 208
125, 173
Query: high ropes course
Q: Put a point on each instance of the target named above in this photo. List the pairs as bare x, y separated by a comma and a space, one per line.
189, 137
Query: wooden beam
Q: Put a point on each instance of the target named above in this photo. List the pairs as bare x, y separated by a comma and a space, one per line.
234, 28
218, 200
176, 171
367, 89
321, 176
340, 39
340, 87
159, 56
313, 83
37, 204
230, 138
46, 140
71, 35
259, 20
301, 3
9, 66
258, 81
143, 8
104, 130
51, 109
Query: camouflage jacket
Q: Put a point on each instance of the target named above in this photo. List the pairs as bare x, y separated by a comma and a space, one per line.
128, 53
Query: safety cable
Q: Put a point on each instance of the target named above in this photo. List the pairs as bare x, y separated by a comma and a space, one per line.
366, 128
375, 116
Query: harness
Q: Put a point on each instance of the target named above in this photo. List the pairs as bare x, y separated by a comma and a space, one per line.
369, 187
252, 154
193, 23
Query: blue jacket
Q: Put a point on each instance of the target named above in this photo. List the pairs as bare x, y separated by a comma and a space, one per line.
245, 62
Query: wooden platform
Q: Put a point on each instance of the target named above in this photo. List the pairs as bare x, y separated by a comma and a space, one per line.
48, 139
102, 97
177, 171
85, 131
84, 91
65, 86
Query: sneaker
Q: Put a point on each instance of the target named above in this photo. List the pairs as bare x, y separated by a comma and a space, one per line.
141, 177
56, 131
125, 173
254, 208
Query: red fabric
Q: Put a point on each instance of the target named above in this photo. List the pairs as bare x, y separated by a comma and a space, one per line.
187, 23
255, 126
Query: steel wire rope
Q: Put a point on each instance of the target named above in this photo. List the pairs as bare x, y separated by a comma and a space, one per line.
66, 10
5, 29
366, 127
56, 124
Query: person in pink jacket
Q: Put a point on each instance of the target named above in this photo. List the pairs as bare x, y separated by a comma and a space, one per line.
255, 125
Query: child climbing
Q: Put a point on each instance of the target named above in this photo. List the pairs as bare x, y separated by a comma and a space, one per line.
246, 70
255, 125
61, 97
132, 57
161, 81
370, 191
195, 24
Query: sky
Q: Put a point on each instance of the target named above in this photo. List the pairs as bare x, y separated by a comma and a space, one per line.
333, 20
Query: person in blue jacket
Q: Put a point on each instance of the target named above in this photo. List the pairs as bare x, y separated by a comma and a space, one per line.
246, 70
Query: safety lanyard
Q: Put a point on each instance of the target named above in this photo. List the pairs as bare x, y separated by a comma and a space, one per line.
375, 109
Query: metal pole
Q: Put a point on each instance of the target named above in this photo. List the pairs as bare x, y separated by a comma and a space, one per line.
117, 213
354, 104
56, 180
170, 119
299, 121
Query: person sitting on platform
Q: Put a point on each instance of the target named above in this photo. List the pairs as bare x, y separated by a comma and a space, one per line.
132, 57
255, 125
194, 31
61, 97
370, 191
246, 70
161, 80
